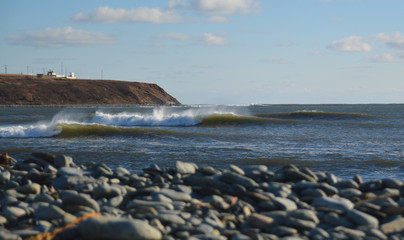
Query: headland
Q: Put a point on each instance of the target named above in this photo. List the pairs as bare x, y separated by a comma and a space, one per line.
18, 89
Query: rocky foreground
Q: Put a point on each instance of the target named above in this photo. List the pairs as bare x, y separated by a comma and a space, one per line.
49, 196
30, 90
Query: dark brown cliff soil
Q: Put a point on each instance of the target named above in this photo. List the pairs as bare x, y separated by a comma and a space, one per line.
30, 90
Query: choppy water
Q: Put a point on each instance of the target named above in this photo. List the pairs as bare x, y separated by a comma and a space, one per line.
343, 139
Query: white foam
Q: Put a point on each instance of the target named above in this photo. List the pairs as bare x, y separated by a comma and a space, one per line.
159, 117
28, 131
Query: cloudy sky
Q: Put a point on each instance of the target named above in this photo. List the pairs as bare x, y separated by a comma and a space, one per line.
217, 51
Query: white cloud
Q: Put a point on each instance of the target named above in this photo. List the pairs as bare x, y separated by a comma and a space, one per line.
225, 6
61, 37
217, 20
387, 58
107, 14
394, 40
350, 44
210, 39
216, 7
174, 36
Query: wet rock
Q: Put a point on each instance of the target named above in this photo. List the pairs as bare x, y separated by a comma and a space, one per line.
52, 212
9, 236
106, 191
175, 195
118, 228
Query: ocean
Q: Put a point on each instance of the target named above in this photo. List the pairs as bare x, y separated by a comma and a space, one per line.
342, 139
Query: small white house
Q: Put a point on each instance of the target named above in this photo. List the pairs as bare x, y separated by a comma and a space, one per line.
71, 76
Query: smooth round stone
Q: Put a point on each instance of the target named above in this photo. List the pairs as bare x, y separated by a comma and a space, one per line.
328, 204
44, 197
80, 199
52, 212
5, 176
299, 223
106, 191
185, 167
174, 195
63, 161
118, 228
70, 171
260, 221
12, 212
170, 218
217, 202
350, 193
285, 204
394, 226
234, 178
282, 231
304, 214
236, 169
32, 188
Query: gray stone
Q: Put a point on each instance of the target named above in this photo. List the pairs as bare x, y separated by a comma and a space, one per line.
285, 204
53, 212
351, 233
304, 214
328, 189
295, 175
335, 220
234, 178
9, 236
174, 195
236, 169
70, 171
347, 184
32, 188
106, 191
217, 202
394, 226
260, 221
318, 233
63, 161
328, 204
393, 183
170, 218
80, 199
44, 197
240, 236
136, 203
13, 213
185, 167
282, 231
299, 223
350, 193
5, 176
361, 218
117, 228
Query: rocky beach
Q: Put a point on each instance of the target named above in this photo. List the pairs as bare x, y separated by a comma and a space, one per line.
48, 196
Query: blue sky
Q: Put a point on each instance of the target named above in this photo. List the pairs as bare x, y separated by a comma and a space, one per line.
217, 51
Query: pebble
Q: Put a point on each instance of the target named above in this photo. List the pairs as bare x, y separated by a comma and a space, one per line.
47, 192
328, 204
118, 229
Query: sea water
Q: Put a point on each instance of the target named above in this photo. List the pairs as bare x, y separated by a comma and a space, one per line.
342, 139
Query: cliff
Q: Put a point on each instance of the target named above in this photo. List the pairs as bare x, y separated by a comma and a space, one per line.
30, 90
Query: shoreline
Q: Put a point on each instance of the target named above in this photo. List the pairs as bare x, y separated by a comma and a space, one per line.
46, 192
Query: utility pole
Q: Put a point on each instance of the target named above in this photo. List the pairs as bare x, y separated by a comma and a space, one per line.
102, 74
5, 68
27, 69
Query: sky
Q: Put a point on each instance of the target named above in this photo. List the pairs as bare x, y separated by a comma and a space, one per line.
217, 51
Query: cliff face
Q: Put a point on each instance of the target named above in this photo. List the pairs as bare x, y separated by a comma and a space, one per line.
30, 90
